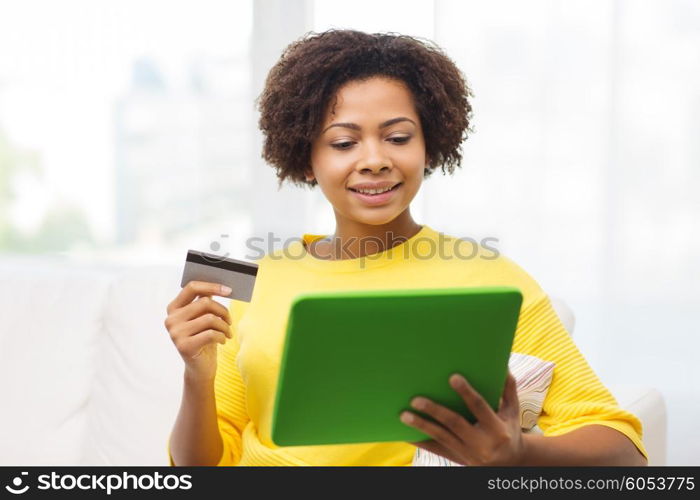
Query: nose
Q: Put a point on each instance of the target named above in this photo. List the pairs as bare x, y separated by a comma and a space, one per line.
374, 160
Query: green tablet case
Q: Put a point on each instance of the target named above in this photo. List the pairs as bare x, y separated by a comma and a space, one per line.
353, 360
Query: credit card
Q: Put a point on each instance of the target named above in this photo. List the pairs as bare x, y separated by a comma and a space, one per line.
236, 274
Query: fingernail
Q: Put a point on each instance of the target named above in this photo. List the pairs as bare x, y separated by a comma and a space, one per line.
406, 417
226, 290
418, 403
457, 380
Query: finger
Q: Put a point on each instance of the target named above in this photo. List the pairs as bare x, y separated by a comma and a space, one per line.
434, 447
208, 321
194, 289
510, 406
451, 420
435, 431
199, 307
192, 346
481, 410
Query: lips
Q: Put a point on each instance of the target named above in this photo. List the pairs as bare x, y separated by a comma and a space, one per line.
376, 199
377, 186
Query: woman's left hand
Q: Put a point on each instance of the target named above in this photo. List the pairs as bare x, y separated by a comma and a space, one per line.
495, 439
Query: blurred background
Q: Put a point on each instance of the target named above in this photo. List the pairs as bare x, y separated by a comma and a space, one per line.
128, 134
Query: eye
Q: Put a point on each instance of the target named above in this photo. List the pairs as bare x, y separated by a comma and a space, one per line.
342, 145
400, 140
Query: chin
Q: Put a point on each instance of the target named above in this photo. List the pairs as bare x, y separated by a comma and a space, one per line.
376, 220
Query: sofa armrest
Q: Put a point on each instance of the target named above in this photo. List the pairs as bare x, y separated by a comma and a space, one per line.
648, 404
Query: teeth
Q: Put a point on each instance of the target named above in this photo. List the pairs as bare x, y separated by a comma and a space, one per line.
374, 191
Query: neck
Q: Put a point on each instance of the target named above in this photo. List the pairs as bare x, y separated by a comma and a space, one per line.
353, 239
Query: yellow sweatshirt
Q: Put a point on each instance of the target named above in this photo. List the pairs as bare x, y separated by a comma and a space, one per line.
248, 364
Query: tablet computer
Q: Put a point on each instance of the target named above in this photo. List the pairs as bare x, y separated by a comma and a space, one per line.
353, 360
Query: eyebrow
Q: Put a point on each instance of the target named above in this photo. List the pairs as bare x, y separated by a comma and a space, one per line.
355, 126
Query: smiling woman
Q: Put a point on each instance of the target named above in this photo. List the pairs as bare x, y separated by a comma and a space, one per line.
369, 167
357, 114
367, 117
301, 91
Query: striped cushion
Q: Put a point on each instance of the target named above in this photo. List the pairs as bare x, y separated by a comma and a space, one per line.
532, 379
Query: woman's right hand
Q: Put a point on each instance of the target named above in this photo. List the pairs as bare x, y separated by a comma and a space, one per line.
196, 326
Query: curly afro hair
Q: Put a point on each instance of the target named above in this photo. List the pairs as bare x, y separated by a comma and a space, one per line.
311, 70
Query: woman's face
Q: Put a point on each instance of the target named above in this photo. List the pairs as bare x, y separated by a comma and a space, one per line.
372, 138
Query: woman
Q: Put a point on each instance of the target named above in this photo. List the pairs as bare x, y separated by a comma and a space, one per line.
368, 118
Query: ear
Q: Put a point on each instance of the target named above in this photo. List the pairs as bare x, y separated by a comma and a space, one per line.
309, 174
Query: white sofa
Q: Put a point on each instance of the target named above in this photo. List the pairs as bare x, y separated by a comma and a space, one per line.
89, 376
